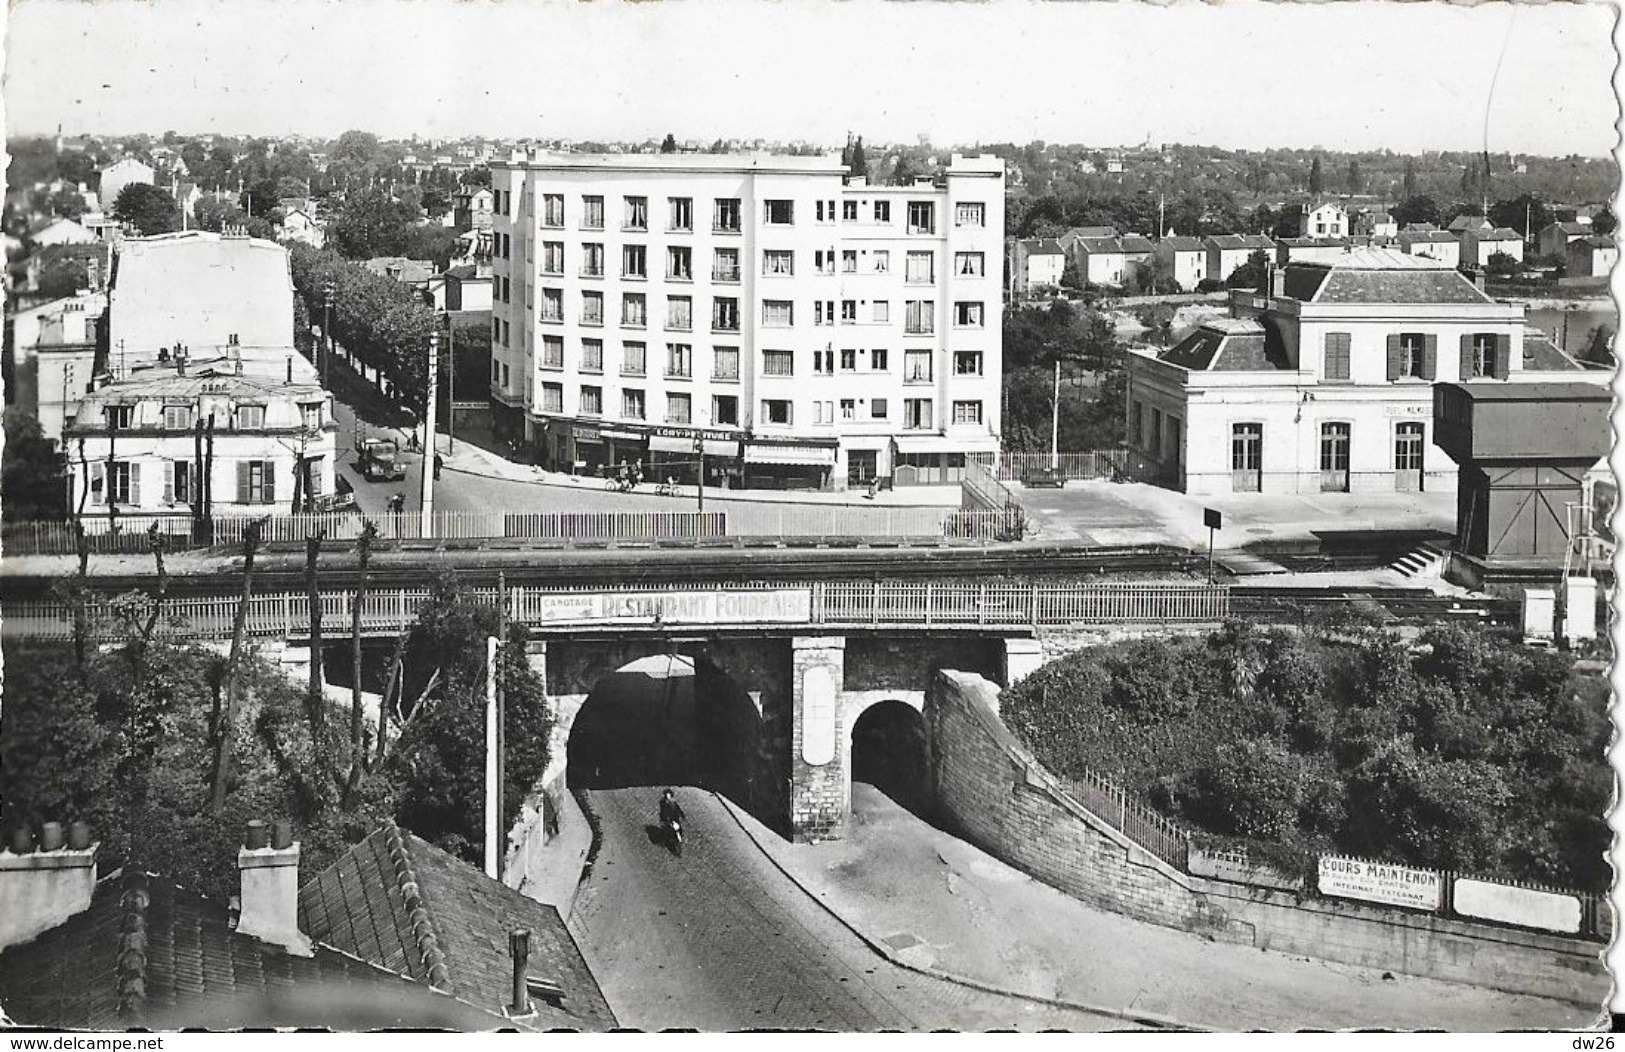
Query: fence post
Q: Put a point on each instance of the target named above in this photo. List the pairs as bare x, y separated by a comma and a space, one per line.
874, 606
930, 601
818, 602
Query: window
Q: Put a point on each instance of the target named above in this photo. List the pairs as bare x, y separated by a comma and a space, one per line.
507, 335
878, 359
824, 261
725, 410
778, 213
849, 409
882, 258
725, 265
778, 363
725, 215
1480, 356
552, 257
917, 366
967, 363
849, 312
552, 352
918, 269
680, 212
1412, 354
824, 363
1247, 457
849, 360
849, 261
592, 308
552, 305
724, 314
679, 360
778, 313
824, 413
680, 263
632, 404
878, 409
552, 398
826, 211
592, 401
634, 355
310, 415
122, 487
920, 317
592, 212
881, 312
552, 209
775, 261
922, 217
679, 313
505, 385
256, 482
634, 311
849, 211
1337, 356
637, 213
177, 417
968, 314
592, 356
883, 211
968, 412
776, 411
506, 298
177, 482
634, 261
679, 408
249, 417
725, 363
592, 260
970, 213
917, 414
969, 264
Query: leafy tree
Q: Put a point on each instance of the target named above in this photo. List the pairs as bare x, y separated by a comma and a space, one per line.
66, 203
1316, 181
1521, 210
150, 209
1409, 190
370, 224
858, 164
1417, 209
33, 486
357, 147
1355, 181
1501, 265
668, 144
1250, 275
1604, 222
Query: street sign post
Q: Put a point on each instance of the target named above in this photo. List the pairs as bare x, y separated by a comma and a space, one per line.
1214, 522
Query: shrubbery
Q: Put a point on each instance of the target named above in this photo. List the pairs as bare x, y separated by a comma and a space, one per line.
1465, 751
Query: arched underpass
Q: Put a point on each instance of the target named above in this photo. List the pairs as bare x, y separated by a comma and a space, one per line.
889, 753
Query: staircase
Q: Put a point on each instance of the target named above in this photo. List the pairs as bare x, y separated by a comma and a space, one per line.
1421, 562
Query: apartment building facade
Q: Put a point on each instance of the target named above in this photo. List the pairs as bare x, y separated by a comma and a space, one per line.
795, 327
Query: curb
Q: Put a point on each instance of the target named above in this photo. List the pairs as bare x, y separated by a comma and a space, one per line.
880, 948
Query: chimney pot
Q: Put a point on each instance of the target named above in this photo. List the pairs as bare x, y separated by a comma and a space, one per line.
258, 837
22, 841
268, 868
50, 836
281, 834
79, 836
519, 948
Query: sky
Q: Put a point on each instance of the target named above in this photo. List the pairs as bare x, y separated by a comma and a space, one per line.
1368, 75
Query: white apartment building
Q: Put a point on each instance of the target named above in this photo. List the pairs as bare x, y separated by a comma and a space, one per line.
801, 328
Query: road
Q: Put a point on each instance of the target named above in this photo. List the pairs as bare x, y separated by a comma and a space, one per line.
721, 940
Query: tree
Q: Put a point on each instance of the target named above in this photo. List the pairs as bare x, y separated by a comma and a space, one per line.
1315, 179
1521, 212
858, 164
357, 147
904, 171
1419, 209
1599, 347
31, 477
1409, 190
225, 730
150, 209
371, 223
1355, 183
363, 550
66, 203
1500, 265
668, 144
1250, 275
1604, 222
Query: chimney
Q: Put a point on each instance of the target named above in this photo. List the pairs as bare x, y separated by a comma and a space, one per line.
519, 950
43, 885
268, 863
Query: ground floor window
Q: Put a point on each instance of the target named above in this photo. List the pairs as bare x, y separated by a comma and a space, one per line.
1334, 457
1247, 457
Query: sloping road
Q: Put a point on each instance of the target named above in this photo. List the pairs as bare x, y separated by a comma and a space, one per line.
720, 940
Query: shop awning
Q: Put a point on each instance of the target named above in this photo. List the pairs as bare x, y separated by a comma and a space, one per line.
817, 456
623, 436
946, 443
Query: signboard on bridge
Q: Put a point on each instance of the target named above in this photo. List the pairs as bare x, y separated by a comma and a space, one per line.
1357, 878
716, 607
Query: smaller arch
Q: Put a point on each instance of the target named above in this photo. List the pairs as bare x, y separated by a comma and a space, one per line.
888, 752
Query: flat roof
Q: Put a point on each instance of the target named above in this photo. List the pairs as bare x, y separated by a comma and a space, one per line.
1534, 391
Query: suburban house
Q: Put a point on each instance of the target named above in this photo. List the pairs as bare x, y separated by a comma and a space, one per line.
1477, 224
471, 208
1479, 244
1226, 252
1325, 220
1435, 244
52, 354
299, 224
1137, 253
1370, 223
187, 195
1037, 263
1186, 260
1325, 383
395, 934
467, 289
1554, 239
415, 272
1590, 257
132, 445
60, 230
1309, 249
1100, 260
121, 173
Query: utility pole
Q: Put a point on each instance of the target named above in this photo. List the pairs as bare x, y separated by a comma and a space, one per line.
451, 382
1055, 419
326, 350
699, 448
427, 493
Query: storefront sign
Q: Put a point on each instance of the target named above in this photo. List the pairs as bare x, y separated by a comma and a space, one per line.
1353, 878
720, 607
1425, 409
586, 434
692, 433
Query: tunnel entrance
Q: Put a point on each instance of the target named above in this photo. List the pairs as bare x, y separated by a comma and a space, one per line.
888, 752
668, 719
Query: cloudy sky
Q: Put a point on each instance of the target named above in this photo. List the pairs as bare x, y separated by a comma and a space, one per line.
1408, 77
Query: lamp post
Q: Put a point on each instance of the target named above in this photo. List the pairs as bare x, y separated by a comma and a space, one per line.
325, 351
451, 381
427, 497
1055, 411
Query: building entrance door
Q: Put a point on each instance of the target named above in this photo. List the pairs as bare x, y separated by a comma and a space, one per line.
860, 467
1334, 458
1246, 457
1408, 451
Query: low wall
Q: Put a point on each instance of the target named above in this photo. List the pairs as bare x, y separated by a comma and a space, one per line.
995, 794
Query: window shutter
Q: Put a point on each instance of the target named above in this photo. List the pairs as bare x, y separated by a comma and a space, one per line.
169, 482
1467, 356
1503, 357
242, 482
98, 488
1430, 357
269, 468
1393, 356
135, 483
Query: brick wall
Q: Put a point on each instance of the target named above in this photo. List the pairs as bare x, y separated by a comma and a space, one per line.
908, 662
991, 791
819, 793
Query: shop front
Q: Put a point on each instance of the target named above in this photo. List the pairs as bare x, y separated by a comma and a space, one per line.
586, 448
677, 453
789, 465
934, 460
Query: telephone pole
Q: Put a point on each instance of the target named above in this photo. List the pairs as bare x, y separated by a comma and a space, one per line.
427, 493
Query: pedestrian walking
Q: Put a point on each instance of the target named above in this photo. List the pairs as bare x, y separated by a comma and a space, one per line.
438, 461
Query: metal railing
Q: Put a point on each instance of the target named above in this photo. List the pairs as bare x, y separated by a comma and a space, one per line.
836, 604
1074, 467
1132, 817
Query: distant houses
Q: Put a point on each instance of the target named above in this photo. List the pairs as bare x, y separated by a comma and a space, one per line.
1554, 240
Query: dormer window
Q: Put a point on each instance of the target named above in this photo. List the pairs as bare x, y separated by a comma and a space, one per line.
177, 417
311, 415
119, 417
250, 417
